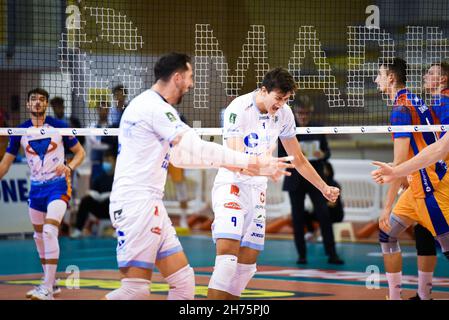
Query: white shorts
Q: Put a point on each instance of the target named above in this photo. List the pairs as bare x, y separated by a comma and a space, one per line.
239, 214
144, 233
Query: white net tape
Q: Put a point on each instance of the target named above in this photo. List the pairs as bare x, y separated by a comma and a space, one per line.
219, 131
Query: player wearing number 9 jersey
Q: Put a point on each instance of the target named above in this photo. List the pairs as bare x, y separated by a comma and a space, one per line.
252, 124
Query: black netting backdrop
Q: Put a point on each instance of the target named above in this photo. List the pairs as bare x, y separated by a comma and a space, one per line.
81, 50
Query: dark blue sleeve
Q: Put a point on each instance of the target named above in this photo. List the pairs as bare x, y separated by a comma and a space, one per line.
401, 116
14, 145
442, 111
69, 141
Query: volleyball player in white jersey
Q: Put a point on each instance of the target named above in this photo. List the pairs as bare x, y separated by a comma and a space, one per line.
150, 130
252, 124
50, 184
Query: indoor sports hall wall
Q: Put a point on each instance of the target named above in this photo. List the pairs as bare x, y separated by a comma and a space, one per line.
81, 49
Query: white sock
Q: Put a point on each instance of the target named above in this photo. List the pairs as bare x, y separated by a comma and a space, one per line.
37, 218
39, 240
50, 276
51, 253
394, 285
424, 284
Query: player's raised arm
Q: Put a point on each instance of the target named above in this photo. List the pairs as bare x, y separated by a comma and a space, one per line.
190, 151
428, 156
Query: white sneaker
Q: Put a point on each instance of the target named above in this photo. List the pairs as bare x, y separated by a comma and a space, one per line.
42, 293
75, 234
56, 290
308, 236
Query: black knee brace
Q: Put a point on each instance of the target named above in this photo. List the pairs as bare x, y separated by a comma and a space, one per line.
425, 242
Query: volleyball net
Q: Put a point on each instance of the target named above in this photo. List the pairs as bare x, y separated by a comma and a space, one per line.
91, 53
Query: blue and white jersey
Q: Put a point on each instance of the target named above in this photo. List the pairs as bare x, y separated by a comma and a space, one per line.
259, 131
44, 152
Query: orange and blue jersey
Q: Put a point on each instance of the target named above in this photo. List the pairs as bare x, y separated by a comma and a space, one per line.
409, 109
440, 105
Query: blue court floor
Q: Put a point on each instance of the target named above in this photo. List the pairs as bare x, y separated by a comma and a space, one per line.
19, 257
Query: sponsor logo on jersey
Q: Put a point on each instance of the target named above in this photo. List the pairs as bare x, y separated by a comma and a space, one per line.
263, 117
232, 118
262, 197
427, 186
235, 190
258, 206
156, 230
257, 235
251, 140
423, 108
170, 116
232, 205
117, 214
259, 220
41, 147
259, 225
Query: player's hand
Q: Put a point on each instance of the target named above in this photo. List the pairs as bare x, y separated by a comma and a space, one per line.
62, 169
278, 175
384, 174
267, 165
404, 183
331, 193
384, 221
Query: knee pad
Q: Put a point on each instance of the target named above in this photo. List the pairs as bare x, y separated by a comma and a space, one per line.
242, 276
425, 242
443, 239
51, 245
50, 231
389, 241
39, 240
56, 210
131, 289
224, 270
182, 284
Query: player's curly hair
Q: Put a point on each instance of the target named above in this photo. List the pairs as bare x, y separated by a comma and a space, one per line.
279, 79
38, 91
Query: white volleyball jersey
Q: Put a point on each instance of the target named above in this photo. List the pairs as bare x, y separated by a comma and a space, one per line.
44, 152
259, 132
148, 126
